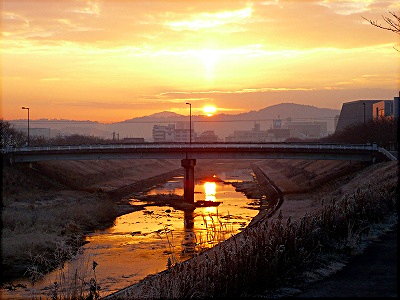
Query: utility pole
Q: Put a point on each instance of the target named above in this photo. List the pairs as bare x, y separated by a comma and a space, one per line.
27, 108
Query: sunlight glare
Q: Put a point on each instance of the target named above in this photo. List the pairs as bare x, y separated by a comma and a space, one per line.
209, 58
209, 110
210, 189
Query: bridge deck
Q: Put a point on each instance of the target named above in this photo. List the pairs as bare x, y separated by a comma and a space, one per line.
198, 151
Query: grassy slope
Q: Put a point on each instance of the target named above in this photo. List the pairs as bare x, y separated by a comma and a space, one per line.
48, 208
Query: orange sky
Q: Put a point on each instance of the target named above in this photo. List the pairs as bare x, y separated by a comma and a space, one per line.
113, 60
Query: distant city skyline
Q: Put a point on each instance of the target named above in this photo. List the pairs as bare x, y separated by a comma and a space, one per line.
109, 61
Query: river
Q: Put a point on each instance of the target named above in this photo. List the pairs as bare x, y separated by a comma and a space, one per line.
149, 240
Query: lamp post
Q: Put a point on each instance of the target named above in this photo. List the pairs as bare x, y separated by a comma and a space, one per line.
364, 111
190, 122
27, 108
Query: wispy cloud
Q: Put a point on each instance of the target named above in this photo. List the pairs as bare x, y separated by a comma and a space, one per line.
184, 94
90, 8
211, 20
147, 55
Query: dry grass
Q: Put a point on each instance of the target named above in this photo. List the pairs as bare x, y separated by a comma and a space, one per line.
76, 280
270, 254
30, 229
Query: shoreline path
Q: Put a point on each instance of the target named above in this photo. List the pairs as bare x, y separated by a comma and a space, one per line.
370, 274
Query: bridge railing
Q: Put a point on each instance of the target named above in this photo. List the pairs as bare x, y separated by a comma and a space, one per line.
369, 147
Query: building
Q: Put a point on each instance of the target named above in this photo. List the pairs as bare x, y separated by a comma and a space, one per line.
182, 125
278, 134
207, 137
253, 135
164, 133
363, 111
307, 129
276, 123
172, 133
396, 107
355, 112
382, 109
183, 135
256, 135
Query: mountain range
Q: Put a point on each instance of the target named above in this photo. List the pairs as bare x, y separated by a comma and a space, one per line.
222, 124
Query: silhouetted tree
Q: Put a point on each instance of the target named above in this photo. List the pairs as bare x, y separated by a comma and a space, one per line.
381, 131
391, 23
69, 140
11, 137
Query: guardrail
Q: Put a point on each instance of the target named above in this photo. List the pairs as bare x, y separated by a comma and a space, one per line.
195, 146
363, 152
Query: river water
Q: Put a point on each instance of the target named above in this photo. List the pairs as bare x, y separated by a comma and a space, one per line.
147, 241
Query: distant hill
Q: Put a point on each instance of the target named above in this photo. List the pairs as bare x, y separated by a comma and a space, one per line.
156, 116
222, 124
292, 110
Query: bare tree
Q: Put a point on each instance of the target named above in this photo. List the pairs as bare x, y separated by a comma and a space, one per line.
392, 23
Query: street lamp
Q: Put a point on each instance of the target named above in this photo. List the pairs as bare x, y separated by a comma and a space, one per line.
23, 107
190, 122
364, 111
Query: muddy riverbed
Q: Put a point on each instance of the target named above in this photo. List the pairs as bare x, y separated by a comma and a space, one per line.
152, 238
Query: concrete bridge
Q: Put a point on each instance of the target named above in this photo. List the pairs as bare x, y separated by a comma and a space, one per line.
188, 153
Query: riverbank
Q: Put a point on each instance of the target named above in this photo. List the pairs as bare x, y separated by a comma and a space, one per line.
306, 234
48, 208
126, 262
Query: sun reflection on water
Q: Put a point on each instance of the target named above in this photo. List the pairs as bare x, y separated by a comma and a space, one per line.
210, 189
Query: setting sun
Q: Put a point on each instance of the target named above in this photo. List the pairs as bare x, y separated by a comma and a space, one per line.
209, 110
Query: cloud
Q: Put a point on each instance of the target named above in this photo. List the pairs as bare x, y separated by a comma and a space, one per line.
185, 94
91, 8
211, 20
170, 23
347, 7
258, 98
234, 54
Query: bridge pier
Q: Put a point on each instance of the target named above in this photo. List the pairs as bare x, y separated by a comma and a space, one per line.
189, 241
188, 181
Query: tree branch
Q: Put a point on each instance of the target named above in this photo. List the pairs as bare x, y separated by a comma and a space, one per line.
393, 23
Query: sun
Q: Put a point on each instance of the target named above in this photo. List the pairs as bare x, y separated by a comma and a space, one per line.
209, 110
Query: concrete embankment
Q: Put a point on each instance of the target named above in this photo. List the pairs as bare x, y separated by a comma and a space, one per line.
302, 176
272, 196
104, 175
145, 184
305, 184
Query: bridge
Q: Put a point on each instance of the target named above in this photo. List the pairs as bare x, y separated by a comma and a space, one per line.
188, 153
200, 151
